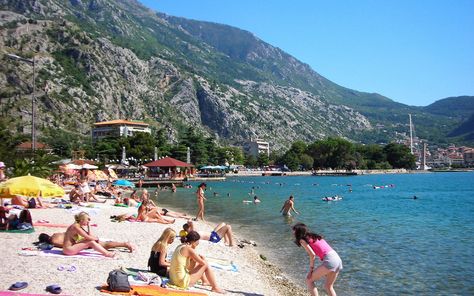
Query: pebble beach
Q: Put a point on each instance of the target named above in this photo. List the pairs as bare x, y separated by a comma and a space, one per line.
21, 262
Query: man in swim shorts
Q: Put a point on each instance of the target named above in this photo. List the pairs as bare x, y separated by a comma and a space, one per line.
221, 231
288, 206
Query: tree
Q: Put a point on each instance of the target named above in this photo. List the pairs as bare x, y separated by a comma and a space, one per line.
262, 159
250, 161
291, 160
399, 156
332, 152
306, 162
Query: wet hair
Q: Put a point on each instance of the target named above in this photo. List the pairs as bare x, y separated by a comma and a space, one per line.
302, 232
202, 185
44, 238
80, 217
191, 237
291, 197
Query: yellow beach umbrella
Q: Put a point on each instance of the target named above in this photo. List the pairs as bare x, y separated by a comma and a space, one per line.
29, 186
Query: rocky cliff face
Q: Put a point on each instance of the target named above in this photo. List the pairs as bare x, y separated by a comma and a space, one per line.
108, 59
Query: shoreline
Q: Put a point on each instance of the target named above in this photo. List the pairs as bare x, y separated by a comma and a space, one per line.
41, 271
260, 173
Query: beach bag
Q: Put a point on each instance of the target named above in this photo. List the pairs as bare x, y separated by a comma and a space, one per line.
118, 281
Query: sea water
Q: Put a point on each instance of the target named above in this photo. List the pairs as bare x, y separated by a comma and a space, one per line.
390, 243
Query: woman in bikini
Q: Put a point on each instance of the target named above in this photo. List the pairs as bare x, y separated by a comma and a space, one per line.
147, 213
77, 238
200, 200
157, 260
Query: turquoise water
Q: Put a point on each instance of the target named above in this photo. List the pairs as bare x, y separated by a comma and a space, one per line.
390, 244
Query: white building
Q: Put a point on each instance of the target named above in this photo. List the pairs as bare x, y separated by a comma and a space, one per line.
118, 128
256, 147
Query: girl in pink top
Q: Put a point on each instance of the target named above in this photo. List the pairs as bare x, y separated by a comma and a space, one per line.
315, 245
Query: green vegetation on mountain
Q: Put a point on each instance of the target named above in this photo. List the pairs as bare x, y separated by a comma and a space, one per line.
107, 59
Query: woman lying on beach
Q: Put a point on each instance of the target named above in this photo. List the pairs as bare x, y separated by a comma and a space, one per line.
57, 240
150, 214
222, 230
157, 260
77, 239
315, 245
187, 266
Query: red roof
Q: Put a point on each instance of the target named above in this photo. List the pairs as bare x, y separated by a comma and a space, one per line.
121, 122
27, 145
168, 162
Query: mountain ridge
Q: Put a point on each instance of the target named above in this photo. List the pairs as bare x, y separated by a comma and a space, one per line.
120, 59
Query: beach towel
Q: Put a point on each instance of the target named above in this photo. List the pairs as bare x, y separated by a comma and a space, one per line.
152, 290
56, 252
90, 211
16, 293
31, 230
222, 264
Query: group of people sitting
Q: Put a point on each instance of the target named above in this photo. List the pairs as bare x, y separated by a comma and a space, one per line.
13, 221
83, 193
187, 267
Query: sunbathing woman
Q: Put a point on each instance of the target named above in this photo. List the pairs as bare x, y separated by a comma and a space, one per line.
187, 266
77, 239
57, 240
150, 214
157, 260
145, 198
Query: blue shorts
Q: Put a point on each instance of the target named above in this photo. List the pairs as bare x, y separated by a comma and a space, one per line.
215, 238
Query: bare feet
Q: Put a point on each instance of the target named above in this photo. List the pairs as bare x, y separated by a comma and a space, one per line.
111, 255
131, 247
218, 290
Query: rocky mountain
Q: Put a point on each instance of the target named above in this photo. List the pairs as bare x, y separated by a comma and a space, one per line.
107, 59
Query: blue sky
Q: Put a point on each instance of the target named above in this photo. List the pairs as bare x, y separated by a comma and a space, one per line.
414, 52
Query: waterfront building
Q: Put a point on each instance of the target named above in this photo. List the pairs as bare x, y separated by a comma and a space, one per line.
257, 147
118, 128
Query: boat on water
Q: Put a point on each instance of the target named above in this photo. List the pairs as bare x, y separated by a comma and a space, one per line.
332, 198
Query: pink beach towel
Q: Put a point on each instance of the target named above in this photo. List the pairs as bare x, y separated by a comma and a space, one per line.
56, 252
11, 293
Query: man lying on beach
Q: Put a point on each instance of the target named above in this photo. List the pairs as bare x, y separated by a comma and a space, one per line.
57, 240
32, 203
222, 230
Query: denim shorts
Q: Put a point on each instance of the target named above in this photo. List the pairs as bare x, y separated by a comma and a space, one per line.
332, 261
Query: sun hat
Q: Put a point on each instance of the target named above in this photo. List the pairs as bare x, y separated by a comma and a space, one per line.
2, 164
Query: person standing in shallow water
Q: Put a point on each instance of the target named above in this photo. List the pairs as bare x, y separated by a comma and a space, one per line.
200, 201
288, 206
315, 245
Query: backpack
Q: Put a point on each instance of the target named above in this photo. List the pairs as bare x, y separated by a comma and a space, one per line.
118, 281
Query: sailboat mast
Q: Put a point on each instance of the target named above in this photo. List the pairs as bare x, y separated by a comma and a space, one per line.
411, 135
